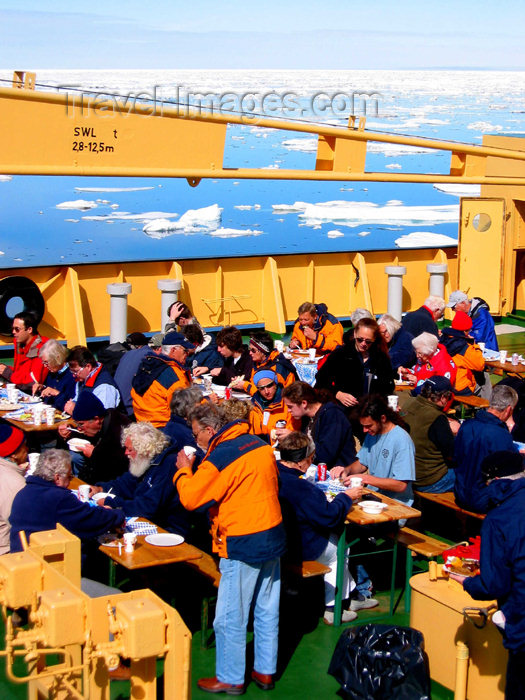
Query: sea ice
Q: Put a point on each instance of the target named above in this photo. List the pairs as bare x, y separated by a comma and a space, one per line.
305, 145
425, 239
458, 190
113, 189
81, 204
335, 234
5, 178
192, 221
234, 232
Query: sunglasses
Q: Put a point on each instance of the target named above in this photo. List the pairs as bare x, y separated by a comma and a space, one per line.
364, 340
266, 386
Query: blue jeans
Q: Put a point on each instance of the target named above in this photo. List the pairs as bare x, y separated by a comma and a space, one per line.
446, 483
241, 585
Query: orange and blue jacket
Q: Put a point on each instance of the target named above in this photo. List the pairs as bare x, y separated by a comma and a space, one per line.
155, 382
275, 362
328, 329
238, 482
265, 414
467, 357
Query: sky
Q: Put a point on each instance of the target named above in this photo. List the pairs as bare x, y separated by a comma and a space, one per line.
288, 34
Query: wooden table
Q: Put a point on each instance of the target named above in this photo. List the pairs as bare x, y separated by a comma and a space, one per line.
145, 555
31, 427
498, 367
356, 516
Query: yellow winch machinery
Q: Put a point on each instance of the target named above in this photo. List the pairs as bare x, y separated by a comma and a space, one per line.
71, 640
40, 133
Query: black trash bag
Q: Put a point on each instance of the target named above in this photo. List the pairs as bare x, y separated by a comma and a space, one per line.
372, 662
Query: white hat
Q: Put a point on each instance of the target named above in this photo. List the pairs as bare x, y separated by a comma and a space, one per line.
455, 298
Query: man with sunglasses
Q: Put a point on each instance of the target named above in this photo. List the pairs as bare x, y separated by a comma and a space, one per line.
27, 368
158, 377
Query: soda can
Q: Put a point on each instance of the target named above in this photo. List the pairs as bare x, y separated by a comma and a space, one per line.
227, 393
321, 471
280, 424
515, 359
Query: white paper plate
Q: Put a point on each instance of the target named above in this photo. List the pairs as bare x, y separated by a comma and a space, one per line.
76, 443
164, 539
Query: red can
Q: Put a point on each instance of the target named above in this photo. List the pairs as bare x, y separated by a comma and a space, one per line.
321, 471
227, 393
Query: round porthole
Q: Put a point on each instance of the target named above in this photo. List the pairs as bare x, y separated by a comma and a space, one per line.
18, 294
482, 222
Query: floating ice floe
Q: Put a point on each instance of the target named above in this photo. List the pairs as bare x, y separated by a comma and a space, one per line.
72, 221
485, 127
127, 216
205, 219
425, 239
396, 149
335, 234
354, 214
5, 178
234, 232
81, 204
243, 207
305, 145
394, 166
459, 190
113, 189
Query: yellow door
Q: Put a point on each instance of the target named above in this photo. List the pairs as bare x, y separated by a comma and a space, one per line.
481, 249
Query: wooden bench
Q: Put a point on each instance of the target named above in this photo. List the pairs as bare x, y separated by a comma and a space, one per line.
208, 566
417, 544
448, 500
475, 402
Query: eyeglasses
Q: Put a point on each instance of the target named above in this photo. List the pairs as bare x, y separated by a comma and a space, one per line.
364, 340
17, 329
199, 431
253, 350
266, 386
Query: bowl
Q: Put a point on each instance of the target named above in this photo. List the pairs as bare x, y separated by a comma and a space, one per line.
372, 507
75, 444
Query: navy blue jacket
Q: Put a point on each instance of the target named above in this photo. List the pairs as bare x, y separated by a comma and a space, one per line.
126, 370
207, 357
180, 435
308, 517
333, 437
483, 324
152, 495
503, 558
420, 321
401, 351
41, 504
64, 383
476, 439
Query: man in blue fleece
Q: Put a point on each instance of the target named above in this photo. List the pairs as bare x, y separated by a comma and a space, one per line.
502, 574
484, 434
147, 488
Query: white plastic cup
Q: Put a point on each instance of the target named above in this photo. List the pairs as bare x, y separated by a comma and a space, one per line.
130, 539
12, 393
393, 402
311, 354
50, 415
502, 356
32, 458
37, 417
356, 482
83, 492
189, 450
279, 345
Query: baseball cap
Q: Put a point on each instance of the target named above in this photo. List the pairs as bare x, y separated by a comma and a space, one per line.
455, 298
438, 384
156, 340
175, 338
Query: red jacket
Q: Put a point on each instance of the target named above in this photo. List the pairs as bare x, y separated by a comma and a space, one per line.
237, 481
441, 364
27, 367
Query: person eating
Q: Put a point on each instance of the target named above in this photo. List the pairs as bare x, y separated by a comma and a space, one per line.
269, 408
